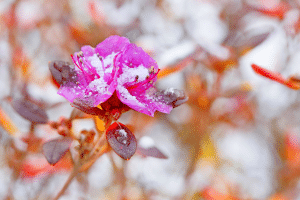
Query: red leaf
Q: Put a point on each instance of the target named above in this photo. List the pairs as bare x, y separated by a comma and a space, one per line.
269, 74
121, 140
291, 83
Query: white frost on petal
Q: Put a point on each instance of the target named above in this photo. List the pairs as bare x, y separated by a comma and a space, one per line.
108, 60
126, 95
99, 85
97, 64
130, 74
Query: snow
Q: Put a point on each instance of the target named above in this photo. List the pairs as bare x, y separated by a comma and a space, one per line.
107, 62
97, 64
99, 85
146, 142
123, 132
169, 32
243, 149
129, 74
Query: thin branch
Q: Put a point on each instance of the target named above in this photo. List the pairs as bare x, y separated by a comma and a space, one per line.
68, 182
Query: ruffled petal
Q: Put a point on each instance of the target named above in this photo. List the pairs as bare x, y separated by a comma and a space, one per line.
111, 45
146, 103
95, 71
117, 65
137, 75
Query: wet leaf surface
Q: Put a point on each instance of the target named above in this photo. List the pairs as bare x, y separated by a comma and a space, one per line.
30, 111
121, 140
55, 149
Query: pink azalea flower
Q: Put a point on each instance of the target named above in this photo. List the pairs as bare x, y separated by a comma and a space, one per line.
115, 65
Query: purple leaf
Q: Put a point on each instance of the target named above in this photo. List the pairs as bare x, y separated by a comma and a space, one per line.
30, 111
121, 140
248, 38
151, 152
55, 149
62, 72
87, 109
172, 97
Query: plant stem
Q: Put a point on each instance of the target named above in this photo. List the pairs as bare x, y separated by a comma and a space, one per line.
122, 180
84, 164
70, 179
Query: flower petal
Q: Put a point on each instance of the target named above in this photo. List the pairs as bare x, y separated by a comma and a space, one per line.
117, 65
146, 103
137, 75
112, 44
95, 72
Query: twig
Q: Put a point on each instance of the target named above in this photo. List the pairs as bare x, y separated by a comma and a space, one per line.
122, 180
70, 179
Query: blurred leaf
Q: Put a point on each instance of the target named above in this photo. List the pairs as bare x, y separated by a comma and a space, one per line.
55, 149
278, 196
96, 13
211, 193
30, 111
174, 68
22, 62
248, 39
276, 77
241, 90
151, 152
220, 65
33, 168
208, 150
274, 11
256, 40
33, 143
292, 149
268, 74
295, 78
7, 123
121, 140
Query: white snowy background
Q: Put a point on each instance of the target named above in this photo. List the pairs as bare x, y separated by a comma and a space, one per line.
170, 30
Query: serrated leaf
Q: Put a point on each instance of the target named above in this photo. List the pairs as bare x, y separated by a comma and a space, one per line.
55, 149
30, 111
7, 123
121, 140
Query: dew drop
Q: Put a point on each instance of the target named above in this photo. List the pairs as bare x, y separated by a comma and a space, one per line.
121, 139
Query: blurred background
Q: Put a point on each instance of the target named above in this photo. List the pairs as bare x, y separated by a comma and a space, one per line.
237, 137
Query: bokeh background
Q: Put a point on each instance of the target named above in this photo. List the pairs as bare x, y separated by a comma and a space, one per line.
237, 137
